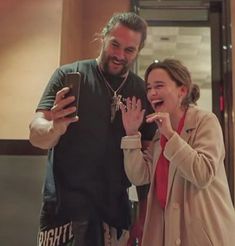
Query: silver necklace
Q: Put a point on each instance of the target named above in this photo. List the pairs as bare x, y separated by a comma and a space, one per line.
116, 98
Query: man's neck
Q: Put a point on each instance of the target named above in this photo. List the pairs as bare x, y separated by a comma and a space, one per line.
99, 63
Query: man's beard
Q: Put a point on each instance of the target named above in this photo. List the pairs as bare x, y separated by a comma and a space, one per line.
105, 60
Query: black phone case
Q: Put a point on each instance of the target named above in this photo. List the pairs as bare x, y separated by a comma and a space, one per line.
73, 81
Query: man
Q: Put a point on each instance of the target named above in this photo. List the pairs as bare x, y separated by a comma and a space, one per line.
86, 185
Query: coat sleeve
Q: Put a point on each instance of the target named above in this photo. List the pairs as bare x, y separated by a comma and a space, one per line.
198, 160
137, 164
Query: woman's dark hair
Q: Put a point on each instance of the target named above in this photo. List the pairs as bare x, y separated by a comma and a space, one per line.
181, 75
130, 20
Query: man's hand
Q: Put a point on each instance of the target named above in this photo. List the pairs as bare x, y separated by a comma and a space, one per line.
60, 111
47, 126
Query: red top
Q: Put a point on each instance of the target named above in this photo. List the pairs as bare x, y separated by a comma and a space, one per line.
162, 169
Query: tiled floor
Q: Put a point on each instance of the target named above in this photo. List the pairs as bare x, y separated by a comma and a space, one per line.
21, 179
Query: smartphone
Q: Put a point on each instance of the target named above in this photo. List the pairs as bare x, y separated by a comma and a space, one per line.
73, 81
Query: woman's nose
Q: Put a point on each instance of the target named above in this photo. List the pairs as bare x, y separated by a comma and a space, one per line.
152, 92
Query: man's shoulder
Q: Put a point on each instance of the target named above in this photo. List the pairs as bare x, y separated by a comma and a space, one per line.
136, 81
78, 65
136, 77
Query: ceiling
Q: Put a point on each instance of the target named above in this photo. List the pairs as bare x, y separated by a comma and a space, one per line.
191, 45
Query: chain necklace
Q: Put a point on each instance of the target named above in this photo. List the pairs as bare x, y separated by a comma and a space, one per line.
116, 98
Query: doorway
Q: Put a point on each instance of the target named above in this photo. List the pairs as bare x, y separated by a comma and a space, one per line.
197, 33
191, 45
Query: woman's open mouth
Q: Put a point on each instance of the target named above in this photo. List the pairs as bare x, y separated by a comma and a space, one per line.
157, 103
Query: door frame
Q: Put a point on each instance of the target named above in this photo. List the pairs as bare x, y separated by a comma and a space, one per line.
217, 17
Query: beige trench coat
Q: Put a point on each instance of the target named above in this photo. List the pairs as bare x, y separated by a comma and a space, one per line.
199, 210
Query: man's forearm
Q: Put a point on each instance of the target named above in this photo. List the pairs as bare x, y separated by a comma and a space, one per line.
42, 134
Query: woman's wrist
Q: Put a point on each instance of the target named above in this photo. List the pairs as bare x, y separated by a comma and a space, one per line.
169, 135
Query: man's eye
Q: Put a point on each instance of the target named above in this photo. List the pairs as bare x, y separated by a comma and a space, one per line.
129, 50
114, 45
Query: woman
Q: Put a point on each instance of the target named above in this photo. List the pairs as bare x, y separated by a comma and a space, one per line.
189, 202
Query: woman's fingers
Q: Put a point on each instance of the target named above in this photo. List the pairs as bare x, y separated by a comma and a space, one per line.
157, 117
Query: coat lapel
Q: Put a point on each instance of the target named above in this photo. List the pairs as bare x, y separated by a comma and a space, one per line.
156, 153
186, 133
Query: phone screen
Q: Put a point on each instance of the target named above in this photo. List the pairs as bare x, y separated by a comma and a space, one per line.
73, 81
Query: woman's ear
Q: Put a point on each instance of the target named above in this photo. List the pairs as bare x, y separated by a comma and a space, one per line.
183, 91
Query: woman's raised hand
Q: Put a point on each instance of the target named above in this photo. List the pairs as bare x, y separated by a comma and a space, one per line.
132, 115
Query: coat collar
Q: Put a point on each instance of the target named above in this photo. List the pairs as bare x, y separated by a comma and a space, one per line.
189, 126
189, 123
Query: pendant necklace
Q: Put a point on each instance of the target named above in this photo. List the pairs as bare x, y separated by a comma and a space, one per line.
116, 98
